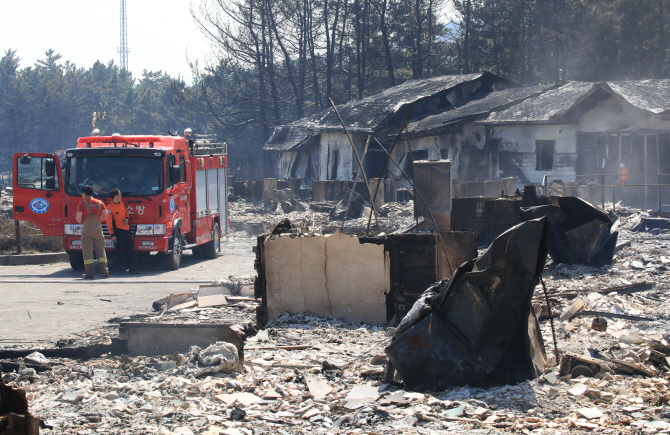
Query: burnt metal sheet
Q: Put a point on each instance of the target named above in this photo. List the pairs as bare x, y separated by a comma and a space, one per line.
647, 224
478, 328
15, 418
579, 232
433, 181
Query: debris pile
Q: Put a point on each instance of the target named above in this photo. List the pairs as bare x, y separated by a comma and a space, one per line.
324, 217
308, 374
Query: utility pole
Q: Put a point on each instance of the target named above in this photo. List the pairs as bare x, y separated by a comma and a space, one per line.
124, 50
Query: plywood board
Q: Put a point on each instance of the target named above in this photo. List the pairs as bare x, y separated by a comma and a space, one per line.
212, 296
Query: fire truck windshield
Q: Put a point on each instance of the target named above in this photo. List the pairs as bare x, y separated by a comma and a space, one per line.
134, 176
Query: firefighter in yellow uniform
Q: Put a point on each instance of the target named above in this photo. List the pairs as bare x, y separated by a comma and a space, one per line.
90, 213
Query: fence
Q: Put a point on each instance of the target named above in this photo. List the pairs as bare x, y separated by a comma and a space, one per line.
643, 191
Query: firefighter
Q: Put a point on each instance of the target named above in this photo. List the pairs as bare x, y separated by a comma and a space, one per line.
625, 175
119, 229
90, 213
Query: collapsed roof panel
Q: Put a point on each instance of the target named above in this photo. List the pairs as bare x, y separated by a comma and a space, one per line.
474, 109
368, 114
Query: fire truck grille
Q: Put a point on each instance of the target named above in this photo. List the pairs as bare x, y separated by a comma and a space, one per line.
133, 229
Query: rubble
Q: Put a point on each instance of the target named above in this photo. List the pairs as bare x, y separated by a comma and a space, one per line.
300, 370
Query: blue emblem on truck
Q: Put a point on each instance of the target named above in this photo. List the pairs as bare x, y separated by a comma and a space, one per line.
39, 205
172, 205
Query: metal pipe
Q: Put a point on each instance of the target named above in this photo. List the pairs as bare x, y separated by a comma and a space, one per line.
360, 165
425, 204
381, 175
551, 320
660, 206
411, 160
17, 230
353, 188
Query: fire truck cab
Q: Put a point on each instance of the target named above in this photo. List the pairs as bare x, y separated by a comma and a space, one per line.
174, 188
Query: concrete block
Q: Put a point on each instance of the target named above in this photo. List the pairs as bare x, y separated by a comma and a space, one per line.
151, 339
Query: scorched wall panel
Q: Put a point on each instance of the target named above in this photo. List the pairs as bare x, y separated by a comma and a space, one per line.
327, 275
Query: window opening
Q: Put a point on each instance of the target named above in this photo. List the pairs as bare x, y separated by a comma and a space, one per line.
544, 155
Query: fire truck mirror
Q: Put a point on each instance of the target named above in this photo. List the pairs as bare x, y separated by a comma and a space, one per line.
175, 174
50, 183
25, 160
50, 167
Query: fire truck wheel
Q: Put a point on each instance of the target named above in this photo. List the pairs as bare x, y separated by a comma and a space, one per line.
76, 260
211, 249
172, 260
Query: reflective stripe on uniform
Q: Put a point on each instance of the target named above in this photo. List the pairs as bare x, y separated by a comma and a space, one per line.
102, 260
89, 261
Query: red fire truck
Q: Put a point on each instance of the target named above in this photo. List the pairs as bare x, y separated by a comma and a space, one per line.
175, 190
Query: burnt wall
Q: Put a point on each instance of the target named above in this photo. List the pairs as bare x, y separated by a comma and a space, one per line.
415, 262
490, 217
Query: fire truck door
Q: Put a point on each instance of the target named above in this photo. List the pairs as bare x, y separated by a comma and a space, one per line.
38, 192
185, 191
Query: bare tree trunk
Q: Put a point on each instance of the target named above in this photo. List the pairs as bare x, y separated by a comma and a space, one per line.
289, 68
359, 49
315, 79
260, 66
329, 31
268, 50
496, 55
663, 41
430, 38
365, 27
418, 58
383, 27
466, 41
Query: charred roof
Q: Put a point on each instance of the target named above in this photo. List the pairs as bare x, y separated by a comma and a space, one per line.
474, 109
560, 105
372, 114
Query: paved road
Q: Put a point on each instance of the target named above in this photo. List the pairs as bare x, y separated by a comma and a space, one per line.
48, 302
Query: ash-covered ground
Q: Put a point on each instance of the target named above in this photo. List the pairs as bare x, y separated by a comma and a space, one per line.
304, 374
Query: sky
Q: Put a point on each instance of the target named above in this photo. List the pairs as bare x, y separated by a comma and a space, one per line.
161, 33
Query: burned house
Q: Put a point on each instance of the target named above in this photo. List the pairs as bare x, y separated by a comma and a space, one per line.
582, 133
441, 125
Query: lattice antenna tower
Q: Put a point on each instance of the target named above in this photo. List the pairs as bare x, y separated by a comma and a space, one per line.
124, 50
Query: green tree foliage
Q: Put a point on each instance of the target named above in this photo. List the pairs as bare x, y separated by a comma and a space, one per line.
47, 106
275, 61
